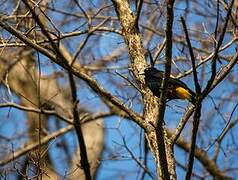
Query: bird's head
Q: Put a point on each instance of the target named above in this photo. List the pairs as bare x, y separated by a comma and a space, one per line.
150, 71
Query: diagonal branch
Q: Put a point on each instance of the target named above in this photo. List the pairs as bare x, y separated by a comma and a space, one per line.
203, 157
214, 59
197, 86
224, 72
200, 154
182, 124
39, 111
77, 71
34, 146
45, 140
43, 29
198, 105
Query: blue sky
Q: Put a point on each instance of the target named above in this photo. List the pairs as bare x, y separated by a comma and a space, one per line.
116, 161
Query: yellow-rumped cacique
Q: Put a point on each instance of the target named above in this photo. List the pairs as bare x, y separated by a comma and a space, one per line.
176, 88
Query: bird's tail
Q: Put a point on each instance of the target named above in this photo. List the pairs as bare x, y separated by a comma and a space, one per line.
185, 93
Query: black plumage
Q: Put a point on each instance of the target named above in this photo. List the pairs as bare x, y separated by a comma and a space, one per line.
176, 88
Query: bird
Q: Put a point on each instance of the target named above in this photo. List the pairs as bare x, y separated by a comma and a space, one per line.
176, 88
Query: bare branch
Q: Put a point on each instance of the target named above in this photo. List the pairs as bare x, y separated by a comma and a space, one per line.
214, 59
197, 86
77, 125
34, 146
182, 124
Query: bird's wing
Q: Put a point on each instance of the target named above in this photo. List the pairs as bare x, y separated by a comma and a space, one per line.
179, 83
159, 74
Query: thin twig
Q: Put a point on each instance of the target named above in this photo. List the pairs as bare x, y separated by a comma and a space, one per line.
214, 59
139, 4
225, 129
137, 160
182, 124
43, 29
82, 45
40, 111
33, 146
197, 113
158, 52
76, 70
128, 80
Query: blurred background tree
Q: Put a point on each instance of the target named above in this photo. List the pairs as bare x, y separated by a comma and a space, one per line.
68, 61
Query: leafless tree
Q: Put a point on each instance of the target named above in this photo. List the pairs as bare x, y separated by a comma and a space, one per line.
72, 70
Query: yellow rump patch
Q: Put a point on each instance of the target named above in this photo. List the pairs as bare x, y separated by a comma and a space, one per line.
172, 76
183, 93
